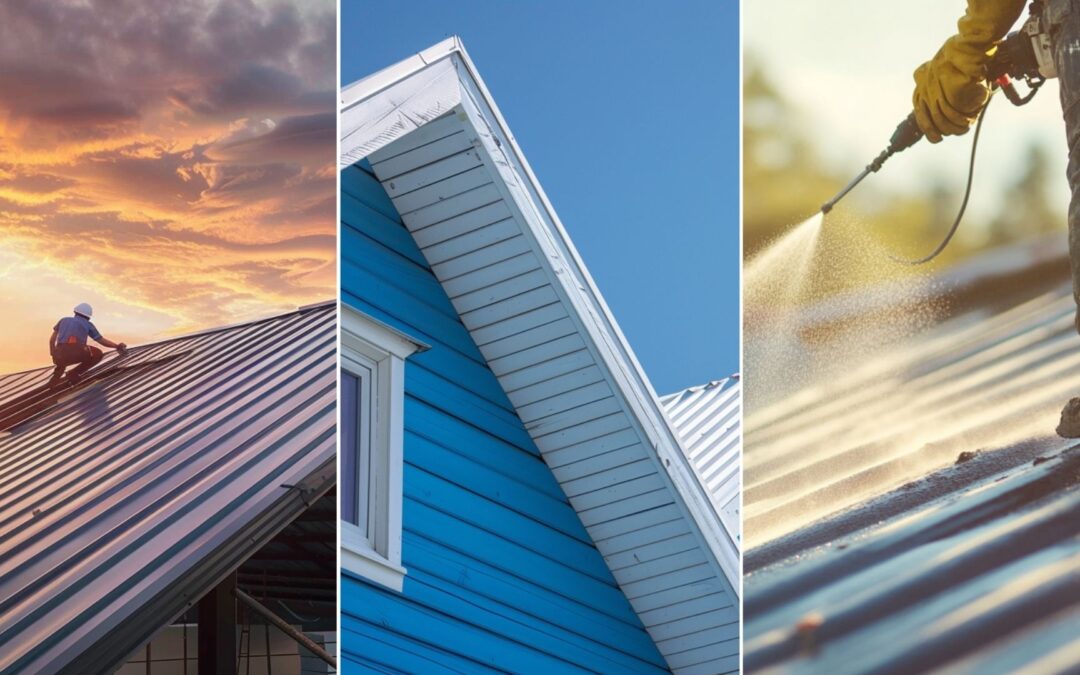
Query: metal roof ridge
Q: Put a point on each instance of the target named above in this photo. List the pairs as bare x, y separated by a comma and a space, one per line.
206, 331
720, 381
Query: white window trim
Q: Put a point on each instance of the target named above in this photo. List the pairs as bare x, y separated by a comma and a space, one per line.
365, 339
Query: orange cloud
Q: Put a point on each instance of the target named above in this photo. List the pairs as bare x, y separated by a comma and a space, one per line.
172, 163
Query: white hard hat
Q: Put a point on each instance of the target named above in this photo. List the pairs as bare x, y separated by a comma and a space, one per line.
85, 309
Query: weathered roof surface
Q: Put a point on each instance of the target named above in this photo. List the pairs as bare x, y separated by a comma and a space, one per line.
124, 503
950, 533
707, 420
445, 156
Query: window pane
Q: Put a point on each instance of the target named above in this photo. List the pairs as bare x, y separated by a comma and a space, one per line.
350, 422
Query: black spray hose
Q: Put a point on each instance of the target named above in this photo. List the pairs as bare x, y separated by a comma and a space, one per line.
963, 205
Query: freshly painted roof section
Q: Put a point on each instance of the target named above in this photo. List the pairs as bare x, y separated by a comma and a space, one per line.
707, 419
123, 503
951, 542
447, 159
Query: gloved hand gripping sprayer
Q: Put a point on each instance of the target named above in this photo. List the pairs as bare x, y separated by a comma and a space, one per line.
1023, 55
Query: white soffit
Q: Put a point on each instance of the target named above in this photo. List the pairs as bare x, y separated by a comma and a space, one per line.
442, 151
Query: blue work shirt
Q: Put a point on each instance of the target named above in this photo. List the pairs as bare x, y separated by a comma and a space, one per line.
73, 330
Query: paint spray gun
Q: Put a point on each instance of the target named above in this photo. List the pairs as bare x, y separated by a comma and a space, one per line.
1023, 55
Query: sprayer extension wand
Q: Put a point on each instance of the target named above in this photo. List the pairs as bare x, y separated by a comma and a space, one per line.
906, 135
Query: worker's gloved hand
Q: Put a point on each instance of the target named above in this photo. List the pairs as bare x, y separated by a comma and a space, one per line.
951, 89
947, 97
122, 348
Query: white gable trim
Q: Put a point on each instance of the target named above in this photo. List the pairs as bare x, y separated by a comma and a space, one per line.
372, 116
401, 100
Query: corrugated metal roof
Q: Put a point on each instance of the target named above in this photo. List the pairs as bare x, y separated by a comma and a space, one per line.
707, 419
445, 156
123, 503
950, 533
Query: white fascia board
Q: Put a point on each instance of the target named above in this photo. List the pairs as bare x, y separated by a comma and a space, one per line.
390, 104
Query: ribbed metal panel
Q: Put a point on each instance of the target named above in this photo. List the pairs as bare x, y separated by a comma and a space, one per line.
122, 504
936, 515
707, 419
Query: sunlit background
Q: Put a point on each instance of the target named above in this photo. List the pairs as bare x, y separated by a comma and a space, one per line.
170, 163
824, 89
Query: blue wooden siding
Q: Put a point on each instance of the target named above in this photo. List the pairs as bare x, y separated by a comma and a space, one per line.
501, 573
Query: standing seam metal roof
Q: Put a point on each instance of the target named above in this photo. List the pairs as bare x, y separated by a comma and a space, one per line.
121, 505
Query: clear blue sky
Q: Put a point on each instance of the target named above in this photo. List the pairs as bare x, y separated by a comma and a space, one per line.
628, 114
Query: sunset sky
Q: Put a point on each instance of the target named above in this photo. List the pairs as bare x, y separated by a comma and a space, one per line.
172, 163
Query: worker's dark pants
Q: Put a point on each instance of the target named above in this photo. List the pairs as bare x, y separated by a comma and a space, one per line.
1062, 20
66, 355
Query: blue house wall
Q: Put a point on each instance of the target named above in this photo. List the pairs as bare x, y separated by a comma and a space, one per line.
501, 573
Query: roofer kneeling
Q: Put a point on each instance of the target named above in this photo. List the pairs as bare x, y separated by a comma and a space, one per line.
68, 345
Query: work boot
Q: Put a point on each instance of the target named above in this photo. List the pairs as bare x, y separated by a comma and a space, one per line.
74, 379
1069, 427
55, 379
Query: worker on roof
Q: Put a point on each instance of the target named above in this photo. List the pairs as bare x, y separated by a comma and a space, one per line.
951, 89
68, 345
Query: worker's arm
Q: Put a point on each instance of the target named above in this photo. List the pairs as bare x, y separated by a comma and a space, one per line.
951, 88
52, 342
106, 342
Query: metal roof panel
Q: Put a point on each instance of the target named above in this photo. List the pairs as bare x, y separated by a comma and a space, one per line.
917, 513
123, 502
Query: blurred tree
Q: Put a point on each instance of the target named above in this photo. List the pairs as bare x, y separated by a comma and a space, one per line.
783, 179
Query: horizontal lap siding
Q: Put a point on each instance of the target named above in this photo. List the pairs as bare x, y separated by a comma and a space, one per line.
501, 573
482, 254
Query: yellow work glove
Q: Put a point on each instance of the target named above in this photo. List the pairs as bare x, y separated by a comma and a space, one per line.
951, 88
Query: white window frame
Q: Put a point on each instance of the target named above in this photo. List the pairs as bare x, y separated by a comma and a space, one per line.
376, 352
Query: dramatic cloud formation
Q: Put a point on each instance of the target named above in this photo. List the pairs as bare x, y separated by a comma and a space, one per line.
170, 162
